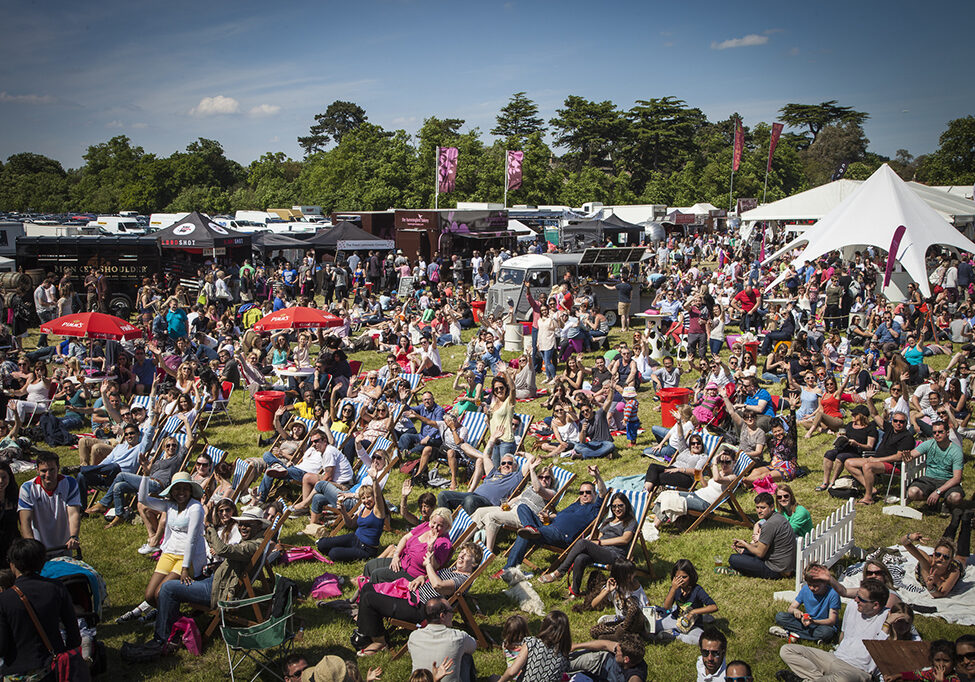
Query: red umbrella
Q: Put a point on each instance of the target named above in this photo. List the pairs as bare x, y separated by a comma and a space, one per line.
92, 326
297, 318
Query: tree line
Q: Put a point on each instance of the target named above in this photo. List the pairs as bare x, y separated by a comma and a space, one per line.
660, 151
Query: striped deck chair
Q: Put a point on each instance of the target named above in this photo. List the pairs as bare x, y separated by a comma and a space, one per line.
242, 477
415, 380
563, 478
737, 515
458, 601
217, 456
143, 401
523, 425
381, 443
711, 446
356, 405
640, 501
476, 424
461, 528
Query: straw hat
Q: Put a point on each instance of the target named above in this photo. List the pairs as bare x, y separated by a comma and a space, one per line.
251, 514
183, 477
329, 669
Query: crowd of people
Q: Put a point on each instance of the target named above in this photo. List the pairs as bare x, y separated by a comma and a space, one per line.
824, 353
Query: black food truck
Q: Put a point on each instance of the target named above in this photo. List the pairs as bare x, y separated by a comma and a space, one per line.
124, 261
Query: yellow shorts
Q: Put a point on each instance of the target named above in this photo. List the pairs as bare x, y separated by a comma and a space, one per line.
169, 563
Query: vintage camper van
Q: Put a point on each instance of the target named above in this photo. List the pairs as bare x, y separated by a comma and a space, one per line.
540, 273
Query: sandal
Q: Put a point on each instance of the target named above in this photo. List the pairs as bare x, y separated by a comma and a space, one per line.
371, 650
821, 488
725, 570
549, 577
865, 501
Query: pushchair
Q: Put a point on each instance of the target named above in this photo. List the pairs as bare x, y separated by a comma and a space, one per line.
89, 594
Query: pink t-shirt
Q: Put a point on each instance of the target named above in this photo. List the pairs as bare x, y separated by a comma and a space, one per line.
415, 552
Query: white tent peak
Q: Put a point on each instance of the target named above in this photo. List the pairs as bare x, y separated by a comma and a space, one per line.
870, 215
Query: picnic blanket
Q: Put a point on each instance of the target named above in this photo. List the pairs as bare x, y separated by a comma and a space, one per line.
632, 483
958, 607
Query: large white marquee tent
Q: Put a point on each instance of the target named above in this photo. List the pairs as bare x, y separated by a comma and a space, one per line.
869, 216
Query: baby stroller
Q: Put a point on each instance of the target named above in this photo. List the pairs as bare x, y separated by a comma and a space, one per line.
89, 595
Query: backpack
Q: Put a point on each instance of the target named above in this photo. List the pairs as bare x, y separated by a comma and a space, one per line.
251, 316
55, 433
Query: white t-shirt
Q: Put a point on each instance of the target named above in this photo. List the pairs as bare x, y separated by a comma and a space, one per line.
50, 520
312, 462
333, 457
855, 630
432, 353
901, 406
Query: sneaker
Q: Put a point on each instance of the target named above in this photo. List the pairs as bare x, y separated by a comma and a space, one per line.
148, 549
779, 631
128, 616
528, 532
149, 616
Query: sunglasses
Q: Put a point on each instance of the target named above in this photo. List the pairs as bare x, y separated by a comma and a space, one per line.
942, 555
724, 461
741, 678
545, 477
969, 656
783, 497
712, 653
172, 446
898, 421
618, 506
506, 463
861, 600
874, 572
202, 464
316, 440
585, 492
131, 433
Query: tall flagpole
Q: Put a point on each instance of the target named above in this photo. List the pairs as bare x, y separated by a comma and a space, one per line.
436, 180
731, 190
767, 166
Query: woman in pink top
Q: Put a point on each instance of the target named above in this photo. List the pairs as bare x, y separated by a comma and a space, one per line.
412, 549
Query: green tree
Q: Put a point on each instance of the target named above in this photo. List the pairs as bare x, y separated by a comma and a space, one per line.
590, 131
660, 136
953, 163
340, 118
541, 179
32, 182
116, 176
272, 181
815, 117
518, 119
836, 143
369, 170
435, 133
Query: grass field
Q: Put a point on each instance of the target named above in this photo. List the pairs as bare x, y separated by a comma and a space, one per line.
746, 605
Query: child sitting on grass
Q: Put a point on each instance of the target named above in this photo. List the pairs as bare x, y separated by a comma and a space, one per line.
814, 613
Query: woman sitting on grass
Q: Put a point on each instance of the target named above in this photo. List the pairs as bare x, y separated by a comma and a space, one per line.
940, 571
685, 603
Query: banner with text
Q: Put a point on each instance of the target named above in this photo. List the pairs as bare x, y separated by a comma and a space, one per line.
739, 146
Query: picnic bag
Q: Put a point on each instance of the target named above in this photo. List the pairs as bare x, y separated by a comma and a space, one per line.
68, 666
185, 630
326, 586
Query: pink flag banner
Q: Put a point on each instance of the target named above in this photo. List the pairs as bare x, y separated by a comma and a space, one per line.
739, 146
447, 169
895, 244
513, 169
776, 132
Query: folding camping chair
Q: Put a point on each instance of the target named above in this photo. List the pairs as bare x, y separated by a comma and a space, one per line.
267, 643
458, 600
220, 405
736, 515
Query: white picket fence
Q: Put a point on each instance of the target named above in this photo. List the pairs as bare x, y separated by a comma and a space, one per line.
910, 470
828, 542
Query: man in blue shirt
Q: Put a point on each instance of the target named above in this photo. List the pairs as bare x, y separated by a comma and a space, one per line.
123, 457
558, 529
759, 401
495, 488
888, 331
177, 324
429, 435
290, 277
144, 370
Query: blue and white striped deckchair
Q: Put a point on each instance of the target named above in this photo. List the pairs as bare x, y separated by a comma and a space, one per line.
476, 424
737, 515
640, 501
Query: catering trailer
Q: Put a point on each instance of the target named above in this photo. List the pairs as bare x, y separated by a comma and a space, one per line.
539, 273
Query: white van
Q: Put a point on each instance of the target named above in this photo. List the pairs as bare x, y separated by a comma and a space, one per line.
160, 221
113, 224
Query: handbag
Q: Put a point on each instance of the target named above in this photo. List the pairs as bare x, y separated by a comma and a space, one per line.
185, 630
68, 666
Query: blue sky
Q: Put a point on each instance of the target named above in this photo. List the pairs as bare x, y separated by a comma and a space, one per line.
253, 74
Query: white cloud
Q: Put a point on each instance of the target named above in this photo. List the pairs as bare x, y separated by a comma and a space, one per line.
794, 51
215, 106
26, 99
265, 110
115, 124
751, 40
404, 120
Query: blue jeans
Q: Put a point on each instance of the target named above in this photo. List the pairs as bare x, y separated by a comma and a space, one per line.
456, 498
500, 449
410, 442
594, 448
346, 547
548, 357
326, 495
174, 593
536, 355
659, 432
751, 566
97, 476
72, 421
549, 536
824, 633
770, 378
294, 474
125, 484
716, 345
